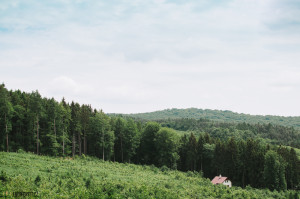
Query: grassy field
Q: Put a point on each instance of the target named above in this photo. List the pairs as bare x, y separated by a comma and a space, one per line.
86, 177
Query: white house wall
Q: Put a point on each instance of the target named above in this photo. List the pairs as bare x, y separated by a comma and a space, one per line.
227, 183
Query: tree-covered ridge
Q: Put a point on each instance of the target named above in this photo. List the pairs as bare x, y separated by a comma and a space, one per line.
270, 133
217, 115
86, 177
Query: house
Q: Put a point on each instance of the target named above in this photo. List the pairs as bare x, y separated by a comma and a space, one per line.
222, 180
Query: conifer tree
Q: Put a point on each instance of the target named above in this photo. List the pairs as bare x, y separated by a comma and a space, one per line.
6, 113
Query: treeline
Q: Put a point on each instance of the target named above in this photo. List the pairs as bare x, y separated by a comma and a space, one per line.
218, 116
31, 123
271, 133
245, 162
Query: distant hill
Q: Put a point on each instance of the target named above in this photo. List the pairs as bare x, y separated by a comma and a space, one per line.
217, 115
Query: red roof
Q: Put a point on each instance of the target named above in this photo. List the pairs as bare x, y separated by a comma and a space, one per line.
218, 180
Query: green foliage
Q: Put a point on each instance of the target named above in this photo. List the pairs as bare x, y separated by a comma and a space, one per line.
31, 123
3, 176
274, 172
102, 138
166, 143
37, 180
91, 178
219, 116
147, 147
269, 133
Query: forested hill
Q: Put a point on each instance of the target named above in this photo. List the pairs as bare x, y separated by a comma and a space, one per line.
217, 115
242, 152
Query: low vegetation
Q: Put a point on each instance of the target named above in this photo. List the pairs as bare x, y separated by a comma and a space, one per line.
86, 177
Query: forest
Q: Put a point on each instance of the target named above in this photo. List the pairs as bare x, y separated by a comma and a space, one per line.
256, 155
218, 116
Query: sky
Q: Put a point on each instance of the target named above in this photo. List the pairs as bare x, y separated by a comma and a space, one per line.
146, 55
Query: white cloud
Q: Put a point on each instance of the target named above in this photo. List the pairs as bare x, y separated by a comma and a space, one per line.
147, 55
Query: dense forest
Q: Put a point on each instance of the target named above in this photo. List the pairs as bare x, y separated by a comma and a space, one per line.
219, 116
268, 133
29, 122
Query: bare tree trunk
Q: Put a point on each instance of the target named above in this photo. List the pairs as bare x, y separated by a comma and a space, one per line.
122, 148
63, 137
22, 137
37, 136
243, 178
84, 143
201, 163
73, 145
7, 147
54, 129
63, 147
102, 144
7, 142
79, 143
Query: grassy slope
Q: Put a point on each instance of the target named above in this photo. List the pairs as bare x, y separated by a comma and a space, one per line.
217, 115
85, 178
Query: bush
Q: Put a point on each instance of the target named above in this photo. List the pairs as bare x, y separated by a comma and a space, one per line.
164, 169
3, 177
37, 180
21, 151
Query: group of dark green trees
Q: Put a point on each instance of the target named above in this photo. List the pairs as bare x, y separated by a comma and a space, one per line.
270, 133
31, 123
247, 162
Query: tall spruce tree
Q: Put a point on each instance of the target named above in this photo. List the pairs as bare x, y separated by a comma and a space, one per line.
274, 172
147, 146
36, 112
6, 113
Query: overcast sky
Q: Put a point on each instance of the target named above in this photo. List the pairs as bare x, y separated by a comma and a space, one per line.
141, 55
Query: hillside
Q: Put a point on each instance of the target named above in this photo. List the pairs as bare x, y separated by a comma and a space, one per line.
86, 177
32, 123
217, 115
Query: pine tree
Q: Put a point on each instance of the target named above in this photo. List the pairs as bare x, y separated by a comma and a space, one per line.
6, 113
200, 148
192, 153
36, 112
147, 147
274, 172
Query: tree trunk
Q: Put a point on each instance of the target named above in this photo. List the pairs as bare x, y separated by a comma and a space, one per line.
73, 145
37, 136
84, 144
79, 143
201, 163
102, 144
122, 148
63, 146
7, 148
243, 179
63, 137
54, 130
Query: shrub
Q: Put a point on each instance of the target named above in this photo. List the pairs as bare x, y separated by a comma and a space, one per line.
21, 151
3, 177
37, 180
164, 168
